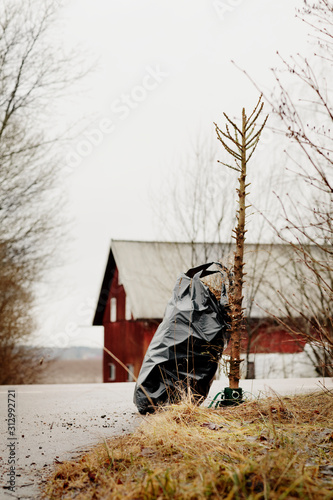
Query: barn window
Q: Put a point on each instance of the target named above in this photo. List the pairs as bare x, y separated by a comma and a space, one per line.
251, 372
128, 312
113, 310
130, 377
112, 371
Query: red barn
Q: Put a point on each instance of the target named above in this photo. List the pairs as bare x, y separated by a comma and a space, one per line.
138, 283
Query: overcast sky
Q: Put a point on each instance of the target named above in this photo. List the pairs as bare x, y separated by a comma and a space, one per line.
163, 75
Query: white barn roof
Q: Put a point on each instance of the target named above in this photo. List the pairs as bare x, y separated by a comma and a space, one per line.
148, 271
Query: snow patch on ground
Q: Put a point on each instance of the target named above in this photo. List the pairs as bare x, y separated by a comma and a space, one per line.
277, 365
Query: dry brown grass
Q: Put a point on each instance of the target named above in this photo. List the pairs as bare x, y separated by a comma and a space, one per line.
274, 448
214, 283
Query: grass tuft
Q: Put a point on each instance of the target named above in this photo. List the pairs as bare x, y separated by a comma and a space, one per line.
272, 448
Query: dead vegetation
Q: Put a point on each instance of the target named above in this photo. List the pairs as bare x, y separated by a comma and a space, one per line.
214, 283
272, 448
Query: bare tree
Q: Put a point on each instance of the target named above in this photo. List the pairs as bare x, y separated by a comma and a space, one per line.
240, 144
303, 105
34, 71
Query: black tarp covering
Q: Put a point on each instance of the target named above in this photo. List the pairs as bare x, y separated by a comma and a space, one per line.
187, 345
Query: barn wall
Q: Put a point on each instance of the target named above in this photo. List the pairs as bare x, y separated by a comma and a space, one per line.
274, 340
266, 336
278, 341
126, 339
116, 291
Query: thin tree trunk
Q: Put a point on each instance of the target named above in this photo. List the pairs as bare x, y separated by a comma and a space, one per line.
237, 302
238, 150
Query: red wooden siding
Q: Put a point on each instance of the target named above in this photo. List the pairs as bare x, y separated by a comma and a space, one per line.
126, 339
278, 341
266, 336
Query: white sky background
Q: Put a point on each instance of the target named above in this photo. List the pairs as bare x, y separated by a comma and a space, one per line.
109, 184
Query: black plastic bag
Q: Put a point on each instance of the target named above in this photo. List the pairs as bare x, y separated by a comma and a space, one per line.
188, 344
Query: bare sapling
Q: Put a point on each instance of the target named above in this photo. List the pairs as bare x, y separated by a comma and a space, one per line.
240, 143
